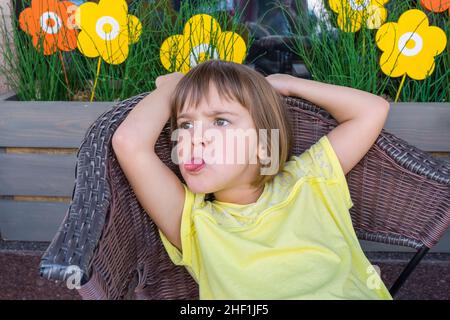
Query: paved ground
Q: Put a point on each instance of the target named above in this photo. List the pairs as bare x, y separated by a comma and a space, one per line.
20, 280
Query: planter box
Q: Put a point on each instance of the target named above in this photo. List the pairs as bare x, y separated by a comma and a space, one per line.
39, 142
38, 147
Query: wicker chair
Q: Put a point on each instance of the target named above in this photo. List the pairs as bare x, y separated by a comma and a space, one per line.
401, 196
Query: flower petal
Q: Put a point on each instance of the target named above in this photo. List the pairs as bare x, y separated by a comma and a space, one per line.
376, 16
201, 28
336, 5
391, 65
41, 6
421, 68
350, 21
379, 3
116, 51
436, 5
437, 39
413, 20
386, 36
67, 39
44, 4
28, 22
171, 53
67, 34
231, 47
86, 15
68, 10
114, 8
44, 43
134, 28
87, 45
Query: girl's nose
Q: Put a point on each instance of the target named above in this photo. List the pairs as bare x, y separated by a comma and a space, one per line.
198, 146
200, 136
200, 140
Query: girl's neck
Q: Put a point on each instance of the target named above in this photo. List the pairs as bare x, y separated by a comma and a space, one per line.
239, 195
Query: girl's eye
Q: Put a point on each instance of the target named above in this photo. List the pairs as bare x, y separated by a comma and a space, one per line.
222, 122
185, 125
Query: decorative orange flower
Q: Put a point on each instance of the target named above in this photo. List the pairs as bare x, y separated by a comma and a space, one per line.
51, 24
436, 5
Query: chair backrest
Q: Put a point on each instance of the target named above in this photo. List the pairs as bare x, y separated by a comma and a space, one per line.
118, 246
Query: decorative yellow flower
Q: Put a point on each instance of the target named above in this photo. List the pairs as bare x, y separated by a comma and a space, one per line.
107, 30
410, 45
352, 13
202, 40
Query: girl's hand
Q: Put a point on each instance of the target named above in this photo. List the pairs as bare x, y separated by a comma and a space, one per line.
281, 82
171, 78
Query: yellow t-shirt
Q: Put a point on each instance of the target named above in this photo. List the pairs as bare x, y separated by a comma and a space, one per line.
295, 242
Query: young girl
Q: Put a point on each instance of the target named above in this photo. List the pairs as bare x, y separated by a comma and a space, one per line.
285, 234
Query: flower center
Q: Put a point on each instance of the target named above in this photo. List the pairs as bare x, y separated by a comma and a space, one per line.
203, 56
50, 22
357, 5
107, 28
410, 44
201, 53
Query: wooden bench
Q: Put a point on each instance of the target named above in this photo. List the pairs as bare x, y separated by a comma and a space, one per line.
39, 143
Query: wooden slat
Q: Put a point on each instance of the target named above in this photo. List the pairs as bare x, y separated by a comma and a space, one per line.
47, 124
424, 125
37, 174
63, 124
29, 220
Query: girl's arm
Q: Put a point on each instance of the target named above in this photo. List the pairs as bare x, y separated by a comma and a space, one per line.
361, 115
144, 123
157, 188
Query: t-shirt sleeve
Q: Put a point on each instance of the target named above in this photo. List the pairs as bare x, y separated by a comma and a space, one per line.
183, 257
320, 160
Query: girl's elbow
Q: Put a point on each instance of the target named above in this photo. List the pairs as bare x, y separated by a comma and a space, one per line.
384, 103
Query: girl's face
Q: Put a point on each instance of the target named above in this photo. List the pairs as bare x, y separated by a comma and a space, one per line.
217, 145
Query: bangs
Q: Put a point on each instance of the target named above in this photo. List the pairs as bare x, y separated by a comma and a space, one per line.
195, 86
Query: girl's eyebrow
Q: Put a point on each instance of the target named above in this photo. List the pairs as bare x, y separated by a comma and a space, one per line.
210, 114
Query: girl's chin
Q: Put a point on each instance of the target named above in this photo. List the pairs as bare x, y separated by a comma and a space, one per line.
196, 189
196, 186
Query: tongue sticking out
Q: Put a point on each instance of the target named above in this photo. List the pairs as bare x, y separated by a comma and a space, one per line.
194, 165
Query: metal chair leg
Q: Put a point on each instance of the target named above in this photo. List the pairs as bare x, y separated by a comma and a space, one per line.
408, 269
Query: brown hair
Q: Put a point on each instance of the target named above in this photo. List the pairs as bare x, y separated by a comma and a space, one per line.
251, 89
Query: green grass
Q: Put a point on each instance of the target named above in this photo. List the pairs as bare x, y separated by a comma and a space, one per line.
337, 57
34, 76
352, 59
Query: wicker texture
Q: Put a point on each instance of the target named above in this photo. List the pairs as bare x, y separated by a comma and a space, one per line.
401, 196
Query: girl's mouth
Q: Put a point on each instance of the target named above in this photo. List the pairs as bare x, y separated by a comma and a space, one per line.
194, 166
